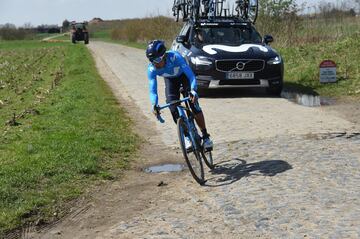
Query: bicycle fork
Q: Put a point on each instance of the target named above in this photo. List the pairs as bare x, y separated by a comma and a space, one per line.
191, 128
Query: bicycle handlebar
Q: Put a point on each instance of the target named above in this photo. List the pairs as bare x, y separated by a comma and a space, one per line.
174, 103
158, 116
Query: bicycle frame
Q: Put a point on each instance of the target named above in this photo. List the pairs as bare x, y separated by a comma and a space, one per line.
186, 116
242, 8
210, 8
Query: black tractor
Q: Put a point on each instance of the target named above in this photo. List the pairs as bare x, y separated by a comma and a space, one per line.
79, 32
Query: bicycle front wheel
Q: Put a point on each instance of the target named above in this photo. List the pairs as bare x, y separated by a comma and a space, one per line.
192, 157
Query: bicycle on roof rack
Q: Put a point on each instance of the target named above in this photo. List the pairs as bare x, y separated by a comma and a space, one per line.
213, 8
247, 9
195, 9
180, 6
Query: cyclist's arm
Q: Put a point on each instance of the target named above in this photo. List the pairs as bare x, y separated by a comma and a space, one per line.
152, 87
188, 72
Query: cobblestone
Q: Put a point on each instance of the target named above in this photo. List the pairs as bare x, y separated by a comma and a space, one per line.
285, 187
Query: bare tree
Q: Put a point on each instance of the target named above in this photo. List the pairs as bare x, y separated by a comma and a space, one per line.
27, 25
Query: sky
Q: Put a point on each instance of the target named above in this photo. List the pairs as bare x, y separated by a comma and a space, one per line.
39, 12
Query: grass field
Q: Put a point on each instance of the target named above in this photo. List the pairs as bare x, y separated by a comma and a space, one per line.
61, 130
63, 37
302, 66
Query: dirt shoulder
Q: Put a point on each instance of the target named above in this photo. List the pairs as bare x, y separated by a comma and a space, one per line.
348, 109
135, 190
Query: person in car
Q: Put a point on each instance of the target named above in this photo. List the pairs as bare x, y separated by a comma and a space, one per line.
199, 36
177, 73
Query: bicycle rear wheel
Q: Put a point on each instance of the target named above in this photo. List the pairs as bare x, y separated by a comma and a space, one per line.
193, 158
175, 10
208, 159
252, 11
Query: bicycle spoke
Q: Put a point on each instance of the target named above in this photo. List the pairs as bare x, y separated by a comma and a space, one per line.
208, 159
195, 164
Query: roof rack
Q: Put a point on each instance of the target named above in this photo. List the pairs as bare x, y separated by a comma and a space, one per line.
222, 22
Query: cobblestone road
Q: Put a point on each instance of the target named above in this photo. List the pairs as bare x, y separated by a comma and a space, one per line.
283, 187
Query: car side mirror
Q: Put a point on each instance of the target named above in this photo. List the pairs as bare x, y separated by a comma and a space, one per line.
268, 39
181, 39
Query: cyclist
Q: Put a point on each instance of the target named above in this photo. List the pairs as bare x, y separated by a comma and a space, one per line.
177, 73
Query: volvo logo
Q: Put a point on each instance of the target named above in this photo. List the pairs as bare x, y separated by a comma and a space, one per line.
240, 66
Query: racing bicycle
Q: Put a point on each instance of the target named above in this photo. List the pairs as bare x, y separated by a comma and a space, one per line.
194, 156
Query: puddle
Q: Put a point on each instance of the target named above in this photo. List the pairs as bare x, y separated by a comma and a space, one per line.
307, 100
165, 168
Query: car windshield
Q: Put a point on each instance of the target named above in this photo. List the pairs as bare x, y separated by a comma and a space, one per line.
232, 36
79, 26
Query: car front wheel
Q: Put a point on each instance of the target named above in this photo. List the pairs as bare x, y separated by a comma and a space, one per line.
86, 38
275, 90
73, 38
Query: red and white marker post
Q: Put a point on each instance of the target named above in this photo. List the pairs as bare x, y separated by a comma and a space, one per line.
328, 71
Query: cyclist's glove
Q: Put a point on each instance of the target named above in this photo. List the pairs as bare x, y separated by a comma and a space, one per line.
155, 110
193, 96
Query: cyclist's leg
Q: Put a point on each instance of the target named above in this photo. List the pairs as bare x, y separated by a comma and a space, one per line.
172, 87
196, 109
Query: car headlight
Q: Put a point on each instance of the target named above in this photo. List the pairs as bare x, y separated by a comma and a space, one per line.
201, 61
275, 61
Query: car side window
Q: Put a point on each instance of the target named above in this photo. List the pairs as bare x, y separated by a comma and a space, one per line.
255, 36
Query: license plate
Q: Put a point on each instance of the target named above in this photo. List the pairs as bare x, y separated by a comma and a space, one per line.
239, 75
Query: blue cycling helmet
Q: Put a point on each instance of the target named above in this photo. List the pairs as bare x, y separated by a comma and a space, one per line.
155, 50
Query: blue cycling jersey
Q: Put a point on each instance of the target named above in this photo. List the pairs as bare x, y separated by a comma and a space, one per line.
174, 67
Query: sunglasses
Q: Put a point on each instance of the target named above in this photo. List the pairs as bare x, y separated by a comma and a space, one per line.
158, 59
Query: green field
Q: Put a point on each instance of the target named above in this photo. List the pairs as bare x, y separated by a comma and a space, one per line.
61, 130
63, 37
302, 66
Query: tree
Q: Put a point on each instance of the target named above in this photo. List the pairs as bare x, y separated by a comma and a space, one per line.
27, 25
9, 26
277, 8
65, 25
357, 2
